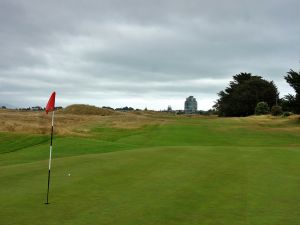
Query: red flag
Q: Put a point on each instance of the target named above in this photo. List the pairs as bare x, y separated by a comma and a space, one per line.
51, 103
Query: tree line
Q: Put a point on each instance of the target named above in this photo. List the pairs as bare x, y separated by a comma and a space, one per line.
249, 94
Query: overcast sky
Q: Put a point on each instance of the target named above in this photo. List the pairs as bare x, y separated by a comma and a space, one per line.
151, 53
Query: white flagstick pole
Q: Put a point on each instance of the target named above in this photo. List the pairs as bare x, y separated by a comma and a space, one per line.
50, 157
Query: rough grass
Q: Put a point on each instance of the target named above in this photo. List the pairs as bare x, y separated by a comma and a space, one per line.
67, 123
157, 169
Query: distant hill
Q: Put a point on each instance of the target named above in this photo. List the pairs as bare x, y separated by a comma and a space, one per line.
81, 109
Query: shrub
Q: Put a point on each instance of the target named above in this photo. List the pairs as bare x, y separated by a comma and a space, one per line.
262, 108
286, 114
276, 110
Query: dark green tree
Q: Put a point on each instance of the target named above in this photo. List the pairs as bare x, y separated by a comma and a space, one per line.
288, 103
243, 93
293, 79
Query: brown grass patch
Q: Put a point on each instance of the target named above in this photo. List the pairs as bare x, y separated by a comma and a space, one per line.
81, 125
69, 123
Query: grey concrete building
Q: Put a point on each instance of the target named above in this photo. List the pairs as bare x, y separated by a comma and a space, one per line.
190, 105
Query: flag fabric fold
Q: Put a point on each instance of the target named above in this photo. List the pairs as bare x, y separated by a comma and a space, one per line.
51, 103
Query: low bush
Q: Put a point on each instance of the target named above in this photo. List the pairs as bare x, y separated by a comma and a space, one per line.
262, 108
276, 110
286, 114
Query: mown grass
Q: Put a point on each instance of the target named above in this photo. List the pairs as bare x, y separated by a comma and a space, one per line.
11, 142
199, 170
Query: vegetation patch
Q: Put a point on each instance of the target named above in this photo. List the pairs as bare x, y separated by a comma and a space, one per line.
163, 170
81, 109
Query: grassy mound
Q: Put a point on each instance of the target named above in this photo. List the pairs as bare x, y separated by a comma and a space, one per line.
81, 109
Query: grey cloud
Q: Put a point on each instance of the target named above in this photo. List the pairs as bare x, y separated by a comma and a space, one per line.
113, 51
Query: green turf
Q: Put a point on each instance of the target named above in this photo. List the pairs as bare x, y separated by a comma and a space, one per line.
188, 171
13, 142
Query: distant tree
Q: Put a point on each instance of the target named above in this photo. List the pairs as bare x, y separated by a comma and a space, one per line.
243, 94
212, 111
293, 79
262, 108
288, 103
125, 109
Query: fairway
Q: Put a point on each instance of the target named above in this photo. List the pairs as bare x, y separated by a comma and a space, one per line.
154, 169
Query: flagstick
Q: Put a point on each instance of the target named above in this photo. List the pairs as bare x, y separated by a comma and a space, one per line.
50, 157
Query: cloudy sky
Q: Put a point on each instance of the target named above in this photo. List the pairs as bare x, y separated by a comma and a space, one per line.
142, 53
